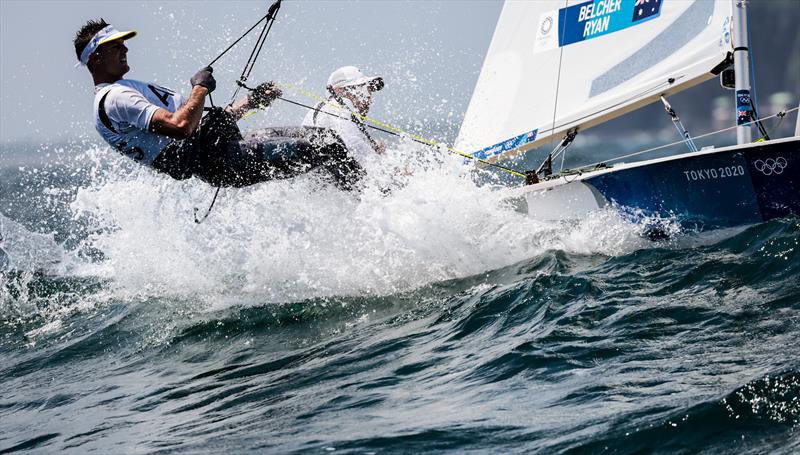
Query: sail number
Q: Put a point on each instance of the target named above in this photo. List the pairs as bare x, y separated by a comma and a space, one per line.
714, 173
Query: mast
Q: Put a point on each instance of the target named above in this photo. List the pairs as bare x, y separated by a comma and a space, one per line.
741, 67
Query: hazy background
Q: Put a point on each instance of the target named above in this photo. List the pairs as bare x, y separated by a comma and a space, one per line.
429, 52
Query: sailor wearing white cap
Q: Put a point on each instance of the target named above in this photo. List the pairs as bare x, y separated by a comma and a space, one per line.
350, 93
105, 35
139, 119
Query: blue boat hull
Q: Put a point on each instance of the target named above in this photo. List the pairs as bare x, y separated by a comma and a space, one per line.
725, 188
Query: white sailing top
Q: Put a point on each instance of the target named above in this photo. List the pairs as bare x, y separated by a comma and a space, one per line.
337, 118
124, 121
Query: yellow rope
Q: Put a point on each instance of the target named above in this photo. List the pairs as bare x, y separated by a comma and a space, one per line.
386, 126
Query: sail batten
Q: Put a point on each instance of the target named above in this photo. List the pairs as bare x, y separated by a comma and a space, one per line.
554, 65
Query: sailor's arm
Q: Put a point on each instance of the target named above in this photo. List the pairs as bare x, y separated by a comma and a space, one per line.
182, 123
239, 107
261, 96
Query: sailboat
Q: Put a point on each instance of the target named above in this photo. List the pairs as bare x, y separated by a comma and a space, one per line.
558, 67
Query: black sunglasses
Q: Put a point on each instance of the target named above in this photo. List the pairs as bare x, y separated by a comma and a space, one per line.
375, 85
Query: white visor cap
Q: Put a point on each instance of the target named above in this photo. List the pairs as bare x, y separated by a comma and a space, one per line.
109, 33
348, 76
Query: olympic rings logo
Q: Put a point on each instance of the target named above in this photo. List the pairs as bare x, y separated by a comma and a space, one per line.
547, 25
771, 165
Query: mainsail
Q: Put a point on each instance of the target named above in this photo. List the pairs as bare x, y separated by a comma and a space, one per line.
554, 65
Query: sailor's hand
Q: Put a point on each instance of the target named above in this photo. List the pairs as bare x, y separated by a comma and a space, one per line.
264, 94
204, 78
380, 146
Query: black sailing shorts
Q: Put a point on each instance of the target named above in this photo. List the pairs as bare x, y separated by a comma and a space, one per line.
218, 154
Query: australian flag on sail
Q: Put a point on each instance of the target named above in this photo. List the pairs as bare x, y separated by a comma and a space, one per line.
643, 9
506, 145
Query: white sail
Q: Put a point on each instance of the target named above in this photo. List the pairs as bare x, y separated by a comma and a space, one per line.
554, 65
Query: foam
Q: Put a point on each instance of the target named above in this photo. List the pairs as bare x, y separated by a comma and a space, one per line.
301, 238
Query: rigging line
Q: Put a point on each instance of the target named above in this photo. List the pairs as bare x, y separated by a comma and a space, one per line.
779, 114
271, 22
248, 68
568, 125
557, 152
208, 212
364, 118
250, 60
613, 107
560, 150
687, 138
272, 13
262, 38
384, 127
237, 41
423, 141
391, 129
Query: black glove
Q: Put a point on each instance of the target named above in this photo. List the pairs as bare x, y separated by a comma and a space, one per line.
264, 94
205, 79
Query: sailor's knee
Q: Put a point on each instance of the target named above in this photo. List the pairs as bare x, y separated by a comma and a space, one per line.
334, 152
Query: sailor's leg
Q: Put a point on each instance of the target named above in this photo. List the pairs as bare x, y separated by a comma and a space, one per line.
275, 154
250, 162
267, 158
177, 159
344, 169
216, 141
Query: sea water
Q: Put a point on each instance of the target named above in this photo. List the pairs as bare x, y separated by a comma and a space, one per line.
421, 314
